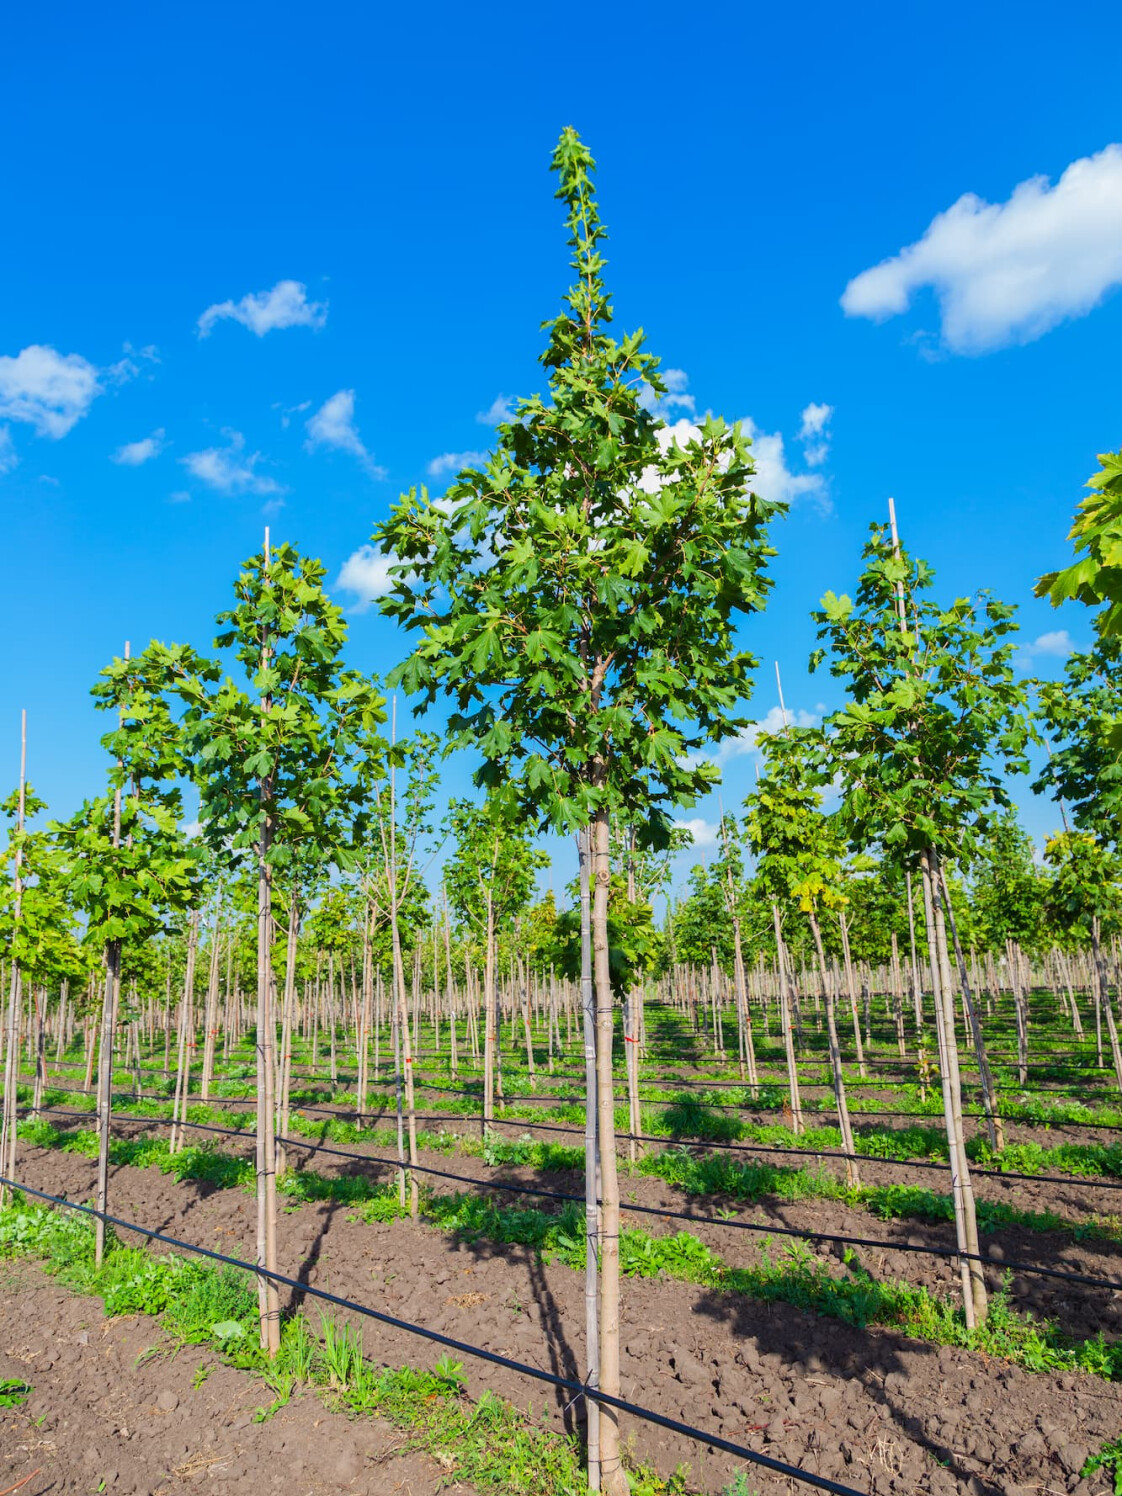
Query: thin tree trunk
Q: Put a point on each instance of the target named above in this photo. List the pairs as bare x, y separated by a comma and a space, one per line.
612, 1477
105, 1089
966, 1224
852, 1174
591, 1165
785, 1023
989, 1095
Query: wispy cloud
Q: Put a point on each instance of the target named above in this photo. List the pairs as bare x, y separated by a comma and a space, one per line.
230, 469
1009, 272
814, 433
288, 411
676, 397
704, 833
9, 458
454, 462
500, 409
135, 454
286, 305
366, 574
775, 480
1057, 644
333, 425
746, 741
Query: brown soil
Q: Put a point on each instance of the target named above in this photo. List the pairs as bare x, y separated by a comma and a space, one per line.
873, 1408
104, 1418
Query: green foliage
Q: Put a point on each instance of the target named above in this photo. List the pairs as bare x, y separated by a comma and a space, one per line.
1086, 885
280, 755
13, 1392
45, 939
1095, 577
700, 921
1108, 1458
635, 947
798, 849
1083, 717
576, 595
493, 865
1007, 891
936, 717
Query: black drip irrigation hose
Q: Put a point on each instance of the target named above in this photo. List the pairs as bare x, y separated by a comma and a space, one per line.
787, 1150
854, 1084
554, 1098
565, 1384
667, 1213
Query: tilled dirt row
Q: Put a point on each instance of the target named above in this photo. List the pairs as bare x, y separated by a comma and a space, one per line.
873, 1408
105, 1416
1082, 1309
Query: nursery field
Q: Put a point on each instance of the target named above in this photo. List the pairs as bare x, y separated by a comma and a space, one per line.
338, 1151
768, 1301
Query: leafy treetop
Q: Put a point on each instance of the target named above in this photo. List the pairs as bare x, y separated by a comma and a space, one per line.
576, 595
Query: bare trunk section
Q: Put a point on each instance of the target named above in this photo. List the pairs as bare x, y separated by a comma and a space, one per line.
966, 1223
591, 1165
852, 1174
785, 1024
612, 1477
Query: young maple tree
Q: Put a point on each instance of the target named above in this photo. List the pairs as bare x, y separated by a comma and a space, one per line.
274, 767
489, 878
799, 854
131, 869
577, 597
936, 718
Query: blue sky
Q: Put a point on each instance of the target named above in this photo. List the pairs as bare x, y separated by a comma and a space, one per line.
225, 223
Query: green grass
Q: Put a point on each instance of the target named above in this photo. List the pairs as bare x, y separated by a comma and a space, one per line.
800, 1278
722, 1174
487, 1443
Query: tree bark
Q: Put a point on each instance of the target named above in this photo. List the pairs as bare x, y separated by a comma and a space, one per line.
852, 1173
591, 1165
612, 1477
785, 1024
966, 1223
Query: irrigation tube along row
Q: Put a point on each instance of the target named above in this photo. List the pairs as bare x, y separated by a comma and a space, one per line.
776, 1081
785, 1150
665, 1213
565, 1384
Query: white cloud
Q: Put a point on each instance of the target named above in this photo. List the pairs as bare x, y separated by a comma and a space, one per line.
286, 305
288, 411
676, 397
333, 425
454, 462
127, 368
49, 390
815, 419
8, 456
230, 469
500, 409
746, 741
1008, 272
814, 433
704, 833
366, 573
774, 480
134, 454
1057, 644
